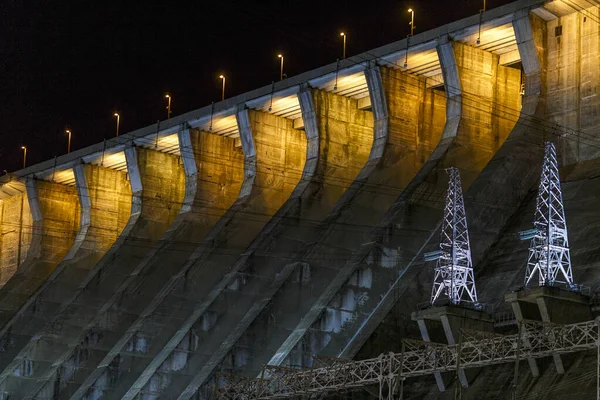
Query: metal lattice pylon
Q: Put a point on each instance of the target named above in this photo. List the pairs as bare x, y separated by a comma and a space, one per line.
549, 255
454, 270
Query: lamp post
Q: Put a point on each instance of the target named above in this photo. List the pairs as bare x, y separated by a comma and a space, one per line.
281, 67
68, 132
484, 6
168, 106
344, 51
24, 155
223, 87
412, 21
118, 120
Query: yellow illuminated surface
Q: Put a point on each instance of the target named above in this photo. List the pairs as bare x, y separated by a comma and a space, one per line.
225, 126
115, 160
498, 40
66, 177
11, 188
287, 107
348, 84
169, 144
354, 85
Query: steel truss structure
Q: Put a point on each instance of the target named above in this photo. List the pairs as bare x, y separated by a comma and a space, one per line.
549, 255
476, 349
454, 270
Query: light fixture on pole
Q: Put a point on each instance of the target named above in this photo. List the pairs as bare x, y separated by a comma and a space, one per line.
344, 51
480, 21
281, 67
412, 21
118, 120
24, 155
223, 87
168, 106
68, 132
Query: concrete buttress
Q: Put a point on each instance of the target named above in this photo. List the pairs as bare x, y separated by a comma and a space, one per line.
477, 87
55, 225
331, 163
551, 65
17, 228
105, 205
274, 157
409, 121
114, 212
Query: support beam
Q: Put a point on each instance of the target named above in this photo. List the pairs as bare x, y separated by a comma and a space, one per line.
244, 127
425, 335
85, 205
189, 166
453, 109
105, 222
37, 228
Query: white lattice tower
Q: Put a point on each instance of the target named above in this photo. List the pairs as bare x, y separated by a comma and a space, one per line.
454, 276
549, 255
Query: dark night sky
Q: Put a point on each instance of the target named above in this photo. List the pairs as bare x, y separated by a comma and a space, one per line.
73, 63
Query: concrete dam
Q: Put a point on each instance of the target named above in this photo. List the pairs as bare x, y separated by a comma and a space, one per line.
278, 244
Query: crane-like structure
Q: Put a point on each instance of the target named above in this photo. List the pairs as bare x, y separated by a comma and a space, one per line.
454, 276
549, 255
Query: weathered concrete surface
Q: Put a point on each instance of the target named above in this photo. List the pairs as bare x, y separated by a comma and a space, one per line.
522, 147
59, 212
502, 269
331, 159
409, 120
482, 109
274, 159
212, 298
16, 226
105, 198
572, 81
167, 202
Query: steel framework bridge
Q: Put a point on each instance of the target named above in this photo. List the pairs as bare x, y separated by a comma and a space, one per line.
475, 349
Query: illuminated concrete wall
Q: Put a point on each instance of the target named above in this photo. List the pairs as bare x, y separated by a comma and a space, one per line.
110, 196
273, 167
16, 230
159, 182
563, 93
572, 82
163, 190
59, 209
220, 168
59, 206
280, 157
301, 242
416, 120
345, 138
482, 108
409, 121
491, 103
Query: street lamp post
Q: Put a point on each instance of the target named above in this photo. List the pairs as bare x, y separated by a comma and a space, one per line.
281, 67
412, 21
168, 106
223, 87
118, 120
344, 51
68, 141
24, 155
